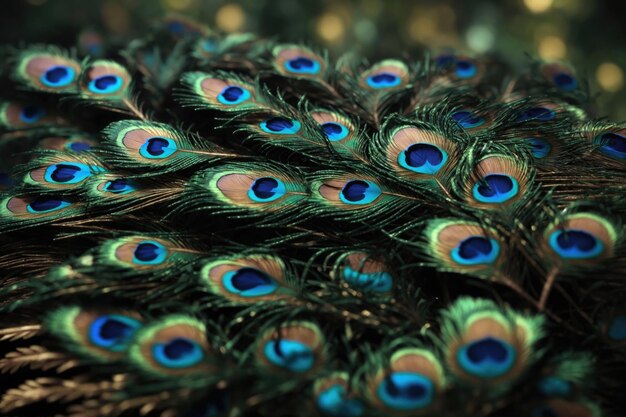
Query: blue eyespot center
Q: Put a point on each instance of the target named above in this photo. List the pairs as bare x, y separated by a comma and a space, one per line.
280, 125
106, 84
44, 204
249, 282
379, 282
303, 65
541, 114
476, 250
180, 352
290, 355
553, 386
149, 253
488, 357
118, 186
335, 131
233, 95
383, 80
406, 391
467, 120
465, 69
617, 328
158, 148
32, 113
612, 144
495, 188
79, 146
266, 189
540, 148
423, 158
58, 76
359, 192
564, 81
113, 332
575, 244
334, 402
64, 172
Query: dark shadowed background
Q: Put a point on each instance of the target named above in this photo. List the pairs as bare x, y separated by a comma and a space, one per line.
589, 33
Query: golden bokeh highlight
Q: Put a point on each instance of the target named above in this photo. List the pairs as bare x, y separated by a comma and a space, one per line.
330, 27
230, 18
177, 4
538, 6
552, 47
610, 77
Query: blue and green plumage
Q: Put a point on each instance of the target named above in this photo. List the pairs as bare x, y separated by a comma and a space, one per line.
209, 224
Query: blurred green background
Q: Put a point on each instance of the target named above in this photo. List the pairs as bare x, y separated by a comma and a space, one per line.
589, 33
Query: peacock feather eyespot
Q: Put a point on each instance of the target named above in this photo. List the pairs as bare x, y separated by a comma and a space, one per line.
78, 146
266, 189
565, 81
178, 353
296, 348
106, 84
406, 391
113, 331
476, 250
58, 76
495, 189
488, 357
118, 186
539, 114
158, 148
67, 173
465, 68
582, 236
423, 158
249, 282
363, 273
302, 65
410, 384
559, 75
32, 113
280, 126
612, 144
334, 399
383, 80
233, 94
357, 192
46, 204
554, 386
540, 148
149, 252
467, 119
617, 328
335, 131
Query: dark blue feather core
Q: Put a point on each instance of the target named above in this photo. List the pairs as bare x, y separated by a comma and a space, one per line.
575, 244
359, 192
565, 81
406, 391
116, 186
335, 131
465, 69
334, 402
495, 188
467, 119
290, 355
541, 114
147, 251
249, 278
423, 158
79, 146
617, 328
383, 80
43, 204
540, 148
612, 144
106, 84
280, 126
488, 357
264, 187
303, 65
476, 250
32, 113
113, 332
158, 148
232, 93
180, 352
58, 76
64, 172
